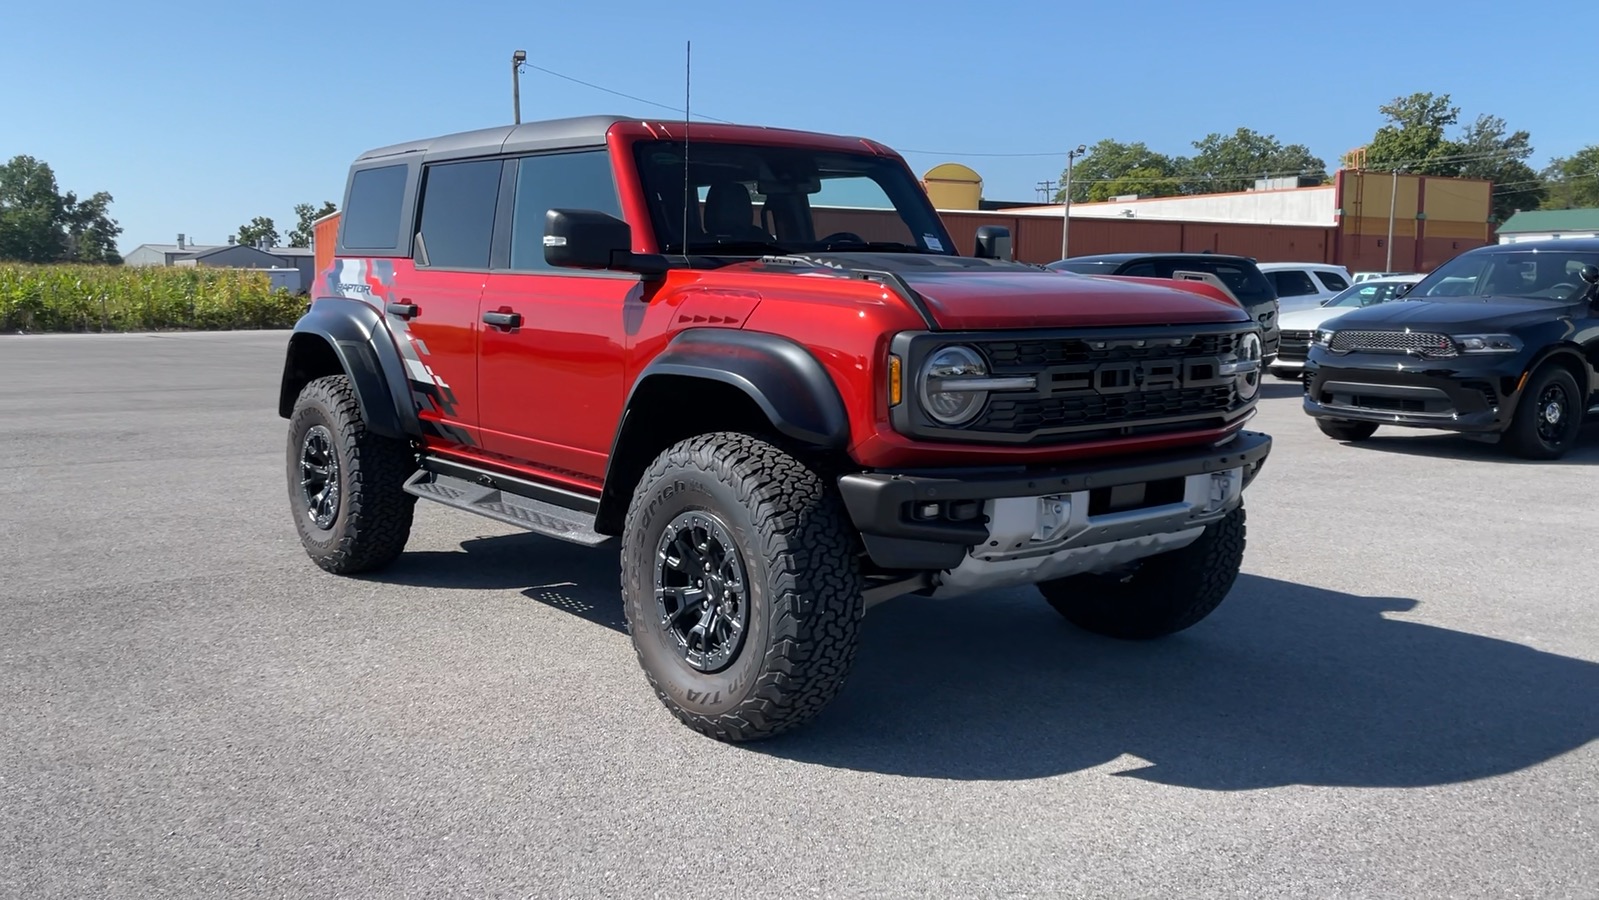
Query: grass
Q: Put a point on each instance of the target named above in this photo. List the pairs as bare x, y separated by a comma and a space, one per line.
82, 298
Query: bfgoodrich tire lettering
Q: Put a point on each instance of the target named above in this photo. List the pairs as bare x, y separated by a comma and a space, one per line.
801, 586
1549, 417
1163, 594
361, 521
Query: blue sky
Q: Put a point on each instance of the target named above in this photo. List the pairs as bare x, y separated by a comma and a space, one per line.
197, 117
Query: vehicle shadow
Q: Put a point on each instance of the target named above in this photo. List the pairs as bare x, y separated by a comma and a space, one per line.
1452, 446
1272, 389
1284, 684
573, 579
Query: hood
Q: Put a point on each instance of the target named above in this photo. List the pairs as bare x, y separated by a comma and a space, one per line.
965, 293
1311, 319
1453, 315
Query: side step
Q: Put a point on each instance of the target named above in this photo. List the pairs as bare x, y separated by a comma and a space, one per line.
512, 509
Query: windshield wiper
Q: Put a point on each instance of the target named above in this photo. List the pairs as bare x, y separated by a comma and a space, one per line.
735, 248
871, 246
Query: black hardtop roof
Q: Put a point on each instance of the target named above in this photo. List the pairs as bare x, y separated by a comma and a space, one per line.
548, 134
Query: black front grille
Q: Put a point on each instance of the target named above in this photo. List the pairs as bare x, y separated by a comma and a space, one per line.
1026, 356
1393, 342
1020, 416
1088, 388
1295, 344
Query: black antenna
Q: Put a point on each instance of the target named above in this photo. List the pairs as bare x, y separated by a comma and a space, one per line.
688, 60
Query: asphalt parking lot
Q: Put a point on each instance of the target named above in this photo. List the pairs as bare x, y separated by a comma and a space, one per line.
1399, 699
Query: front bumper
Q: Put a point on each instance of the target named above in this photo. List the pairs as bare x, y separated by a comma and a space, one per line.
995, 527
1464, 394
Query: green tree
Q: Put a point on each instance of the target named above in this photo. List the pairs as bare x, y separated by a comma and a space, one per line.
1413, 138
1487, 150
39, 224
260, 228
307, 215
1233, 162
1572, 181
1109, 167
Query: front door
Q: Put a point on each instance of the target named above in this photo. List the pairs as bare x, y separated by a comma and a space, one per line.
552, 343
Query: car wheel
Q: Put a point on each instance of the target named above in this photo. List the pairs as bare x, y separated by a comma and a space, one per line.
1345, 430
1549, 417
1160, 595
740, 586
346, 484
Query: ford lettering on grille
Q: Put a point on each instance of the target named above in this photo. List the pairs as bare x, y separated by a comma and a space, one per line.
1126, 377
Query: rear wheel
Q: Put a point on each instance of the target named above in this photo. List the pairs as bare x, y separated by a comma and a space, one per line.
1344, 430
1160, 595
740, 586
1549, 417
346, 484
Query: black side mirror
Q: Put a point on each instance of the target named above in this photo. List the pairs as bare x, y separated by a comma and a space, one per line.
1402, 290
589, 239
993, 242
1589, 274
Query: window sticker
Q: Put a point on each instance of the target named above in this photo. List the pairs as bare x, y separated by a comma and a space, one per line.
933, 243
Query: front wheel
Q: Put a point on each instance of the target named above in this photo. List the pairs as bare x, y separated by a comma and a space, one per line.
1549, 417
1343, 430
1161, 595
740, 586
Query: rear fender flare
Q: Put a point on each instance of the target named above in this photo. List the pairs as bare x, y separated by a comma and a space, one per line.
364, 347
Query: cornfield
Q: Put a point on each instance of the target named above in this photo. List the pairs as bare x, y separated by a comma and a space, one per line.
140, 298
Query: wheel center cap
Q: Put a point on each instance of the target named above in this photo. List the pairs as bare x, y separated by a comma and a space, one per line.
1552, 413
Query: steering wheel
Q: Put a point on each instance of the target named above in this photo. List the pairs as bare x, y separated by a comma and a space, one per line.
1569, 292
843, 237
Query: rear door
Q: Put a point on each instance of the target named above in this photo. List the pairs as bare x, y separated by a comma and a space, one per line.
438, 297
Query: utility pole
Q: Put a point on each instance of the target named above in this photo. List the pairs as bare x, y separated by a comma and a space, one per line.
1393, 200
1043, 187
517, 59
1066, 200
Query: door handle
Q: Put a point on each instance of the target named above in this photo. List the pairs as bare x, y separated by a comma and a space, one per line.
403, 310
503, 319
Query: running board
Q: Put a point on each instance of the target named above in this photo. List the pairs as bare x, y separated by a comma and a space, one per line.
512, 509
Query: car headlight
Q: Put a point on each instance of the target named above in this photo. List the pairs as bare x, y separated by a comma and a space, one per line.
1487, 343
1324, 336
948, 391
1245, 368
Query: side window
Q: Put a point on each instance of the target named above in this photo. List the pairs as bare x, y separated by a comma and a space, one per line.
458, 213
372, 214
1292, 283
1333, 281
1141, 270
571, 180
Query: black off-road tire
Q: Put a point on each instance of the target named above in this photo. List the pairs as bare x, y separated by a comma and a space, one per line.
373, 519
1523, 437
1163, 594
804, 588
1346, 430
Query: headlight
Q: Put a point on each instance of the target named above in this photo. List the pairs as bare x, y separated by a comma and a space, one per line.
1245, 369
1487, 343
953, 403
1324, 336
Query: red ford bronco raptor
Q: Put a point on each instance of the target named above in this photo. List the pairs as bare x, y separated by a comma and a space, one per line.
753, 362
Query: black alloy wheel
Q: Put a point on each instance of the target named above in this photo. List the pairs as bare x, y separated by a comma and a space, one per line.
1553, 413
319, 477
701, 591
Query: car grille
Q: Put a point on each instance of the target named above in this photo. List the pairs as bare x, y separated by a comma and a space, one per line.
1425, 342
1066, 408
1295, 344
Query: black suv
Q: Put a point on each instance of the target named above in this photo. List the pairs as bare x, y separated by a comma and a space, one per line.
1502, 340
1238, 274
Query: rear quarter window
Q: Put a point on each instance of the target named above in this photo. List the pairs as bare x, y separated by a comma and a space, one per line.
372, 212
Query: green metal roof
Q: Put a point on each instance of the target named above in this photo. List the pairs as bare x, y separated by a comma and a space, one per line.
1551, 220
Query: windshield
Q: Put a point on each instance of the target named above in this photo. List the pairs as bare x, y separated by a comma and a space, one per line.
1368, 293
755, 200
1553, 275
